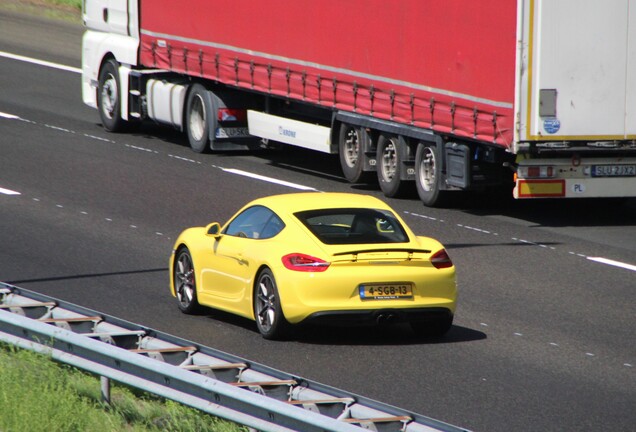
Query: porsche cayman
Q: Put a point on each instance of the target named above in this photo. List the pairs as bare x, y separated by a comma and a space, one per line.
316, 257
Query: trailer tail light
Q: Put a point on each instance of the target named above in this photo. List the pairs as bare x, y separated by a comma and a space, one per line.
304, 263
441, 260
232, 114
536, 172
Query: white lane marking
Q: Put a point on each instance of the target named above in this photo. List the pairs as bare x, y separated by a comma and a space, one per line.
99, 138
596, 259
9, 116
40, 62
320, 173
613, 263
9, 192
268, 179
181, 158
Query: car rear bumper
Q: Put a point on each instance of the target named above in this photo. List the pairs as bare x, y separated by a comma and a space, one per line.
378, 316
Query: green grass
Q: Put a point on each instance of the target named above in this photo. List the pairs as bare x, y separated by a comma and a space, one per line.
75, 3
39, 394
72, 3
64, 10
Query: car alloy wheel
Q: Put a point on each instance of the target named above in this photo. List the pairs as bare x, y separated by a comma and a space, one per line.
184, 282
268, 313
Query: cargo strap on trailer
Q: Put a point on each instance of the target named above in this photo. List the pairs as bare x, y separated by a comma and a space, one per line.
212, 381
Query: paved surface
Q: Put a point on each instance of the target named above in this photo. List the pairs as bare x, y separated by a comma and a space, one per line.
545, 337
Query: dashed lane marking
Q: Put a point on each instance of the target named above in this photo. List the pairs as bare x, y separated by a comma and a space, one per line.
600, 260
308, 188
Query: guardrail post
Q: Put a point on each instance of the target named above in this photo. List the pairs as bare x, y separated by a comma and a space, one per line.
105, 384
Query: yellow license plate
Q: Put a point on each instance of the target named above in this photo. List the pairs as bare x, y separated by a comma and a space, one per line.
386, 291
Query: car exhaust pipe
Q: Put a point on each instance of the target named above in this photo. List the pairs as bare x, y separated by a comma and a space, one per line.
386, 318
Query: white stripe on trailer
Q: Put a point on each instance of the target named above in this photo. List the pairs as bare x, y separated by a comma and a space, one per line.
294, 132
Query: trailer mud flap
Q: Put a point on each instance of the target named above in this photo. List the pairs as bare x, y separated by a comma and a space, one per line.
457, 165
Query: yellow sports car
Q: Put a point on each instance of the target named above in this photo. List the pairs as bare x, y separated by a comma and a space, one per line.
315, 257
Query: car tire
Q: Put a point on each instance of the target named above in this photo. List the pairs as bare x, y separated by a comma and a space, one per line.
432, 329
268, 313
185, 286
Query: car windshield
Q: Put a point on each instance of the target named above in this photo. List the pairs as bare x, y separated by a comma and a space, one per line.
353, 226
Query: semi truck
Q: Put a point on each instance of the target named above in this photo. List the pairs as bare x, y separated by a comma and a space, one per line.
535, 95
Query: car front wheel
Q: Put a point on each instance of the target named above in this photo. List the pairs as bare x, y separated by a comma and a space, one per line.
185, 286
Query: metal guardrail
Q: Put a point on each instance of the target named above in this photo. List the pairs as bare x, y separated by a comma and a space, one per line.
201, 377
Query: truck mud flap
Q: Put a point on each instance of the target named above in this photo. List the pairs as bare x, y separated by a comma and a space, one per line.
457, 165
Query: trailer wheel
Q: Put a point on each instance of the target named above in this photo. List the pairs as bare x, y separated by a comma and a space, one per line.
428, 174
108, 97
351, 145
390, 166
198, 111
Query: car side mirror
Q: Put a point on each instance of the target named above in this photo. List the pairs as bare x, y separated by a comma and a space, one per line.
213, 230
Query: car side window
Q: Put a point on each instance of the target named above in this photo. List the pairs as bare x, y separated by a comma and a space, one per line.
256, 222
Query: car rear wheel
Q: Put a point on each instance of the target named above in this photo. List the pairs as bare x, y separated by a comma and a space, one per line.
270, 321
184, 283
434, 328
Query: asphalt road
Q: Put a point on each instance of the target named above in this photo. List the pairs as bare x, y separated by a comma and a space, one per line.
545, 333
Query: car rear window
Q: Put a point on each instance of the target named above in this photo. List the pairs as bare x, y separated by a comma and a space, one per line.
353, 226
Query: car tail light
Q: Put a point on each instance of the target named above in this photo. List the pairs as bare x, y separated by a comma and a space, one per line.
441, 260
231, 114
306, 263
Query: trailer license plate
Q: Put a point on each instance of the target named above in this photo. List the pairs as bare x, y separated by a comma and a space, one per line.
232, 132
613, 170
386, 291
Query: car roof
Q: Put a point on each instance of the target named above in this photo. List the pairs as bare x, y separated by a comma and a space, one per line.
301, 201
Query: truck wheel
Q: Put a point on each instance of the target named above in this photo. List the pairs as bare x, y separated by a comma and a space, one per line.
108, 97
428, 174
198, 112
390, 166
351, 145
